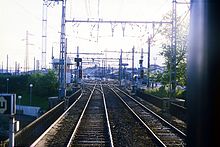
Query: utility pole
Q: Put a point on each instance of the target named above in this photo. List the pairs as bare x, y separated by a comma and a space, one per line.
26, 65
173, 54
15, 67
26, 55
34, 64
148, 64
2, 67
77, 65
62, 58
18, 68
44, 35
66, 99
52, 57
62, 72
132, 75
7, 65
120, 68
102, 68
141, 65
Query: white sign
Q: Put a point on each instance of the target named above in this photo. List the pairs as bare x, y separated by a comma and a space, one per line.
3, 104
8, 104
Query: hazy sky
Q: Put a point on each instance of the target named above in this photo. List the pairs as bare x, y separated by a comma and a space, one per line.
19, 16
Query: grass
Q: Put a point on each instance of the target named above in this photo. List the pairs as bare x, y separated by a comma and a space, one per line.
159, 92
163, 92
37, 101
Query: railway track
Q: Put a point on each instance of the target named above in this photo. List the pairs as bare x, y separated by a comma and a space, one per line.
126, 130
88, 122
178, 123
59, 132
93, 127
84, 123
163, 132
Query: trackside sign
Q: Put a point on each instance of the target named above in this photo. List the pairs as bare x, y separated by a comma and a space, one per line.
8, 104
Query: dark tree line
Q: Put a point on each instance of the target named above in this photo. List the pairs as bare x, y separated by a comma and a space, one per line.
43, 84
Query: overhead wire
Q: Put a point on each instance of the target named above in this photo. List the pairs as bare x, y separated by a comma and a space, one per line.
30, 13
98, 23
156, 11
157, 31
185, 15
86, 7
89, 7
70, 10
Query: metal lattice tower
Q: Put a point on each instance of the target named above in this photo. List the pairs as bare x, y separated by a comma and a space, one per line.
26, 66
63, 44
44, 35
173, 54
62, 71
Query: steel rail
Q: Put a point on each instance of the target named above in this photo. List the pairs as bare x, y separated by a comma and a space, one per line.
158, 141
183, 135
42, 135
80, 119
107, 119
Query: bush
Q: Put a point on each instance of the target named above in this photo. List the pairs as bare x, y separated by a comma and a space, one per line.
159, 92
16, 83
44, 84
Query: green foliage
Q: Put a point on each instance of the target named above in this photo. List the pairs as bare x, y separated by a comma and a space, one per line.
181, 48
44, 84
159, 92
163, 78
180, 93
16, 84
38, 101
163, 92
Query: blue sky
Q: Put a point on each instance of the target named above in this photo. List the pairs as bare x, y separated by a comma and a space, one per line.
18, 16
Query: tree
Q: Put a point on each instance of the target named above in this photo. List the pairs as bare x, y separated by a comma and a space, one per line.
181, 48
44, 84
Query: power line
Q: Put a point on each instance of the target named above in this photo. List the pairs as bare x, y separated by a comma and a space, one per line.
185, 16
86, 7
118, 21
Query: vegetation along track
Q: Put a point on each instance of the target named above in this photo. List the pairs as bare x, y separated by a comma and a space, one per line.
165, 133
126, 130
60, 132
92, 127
